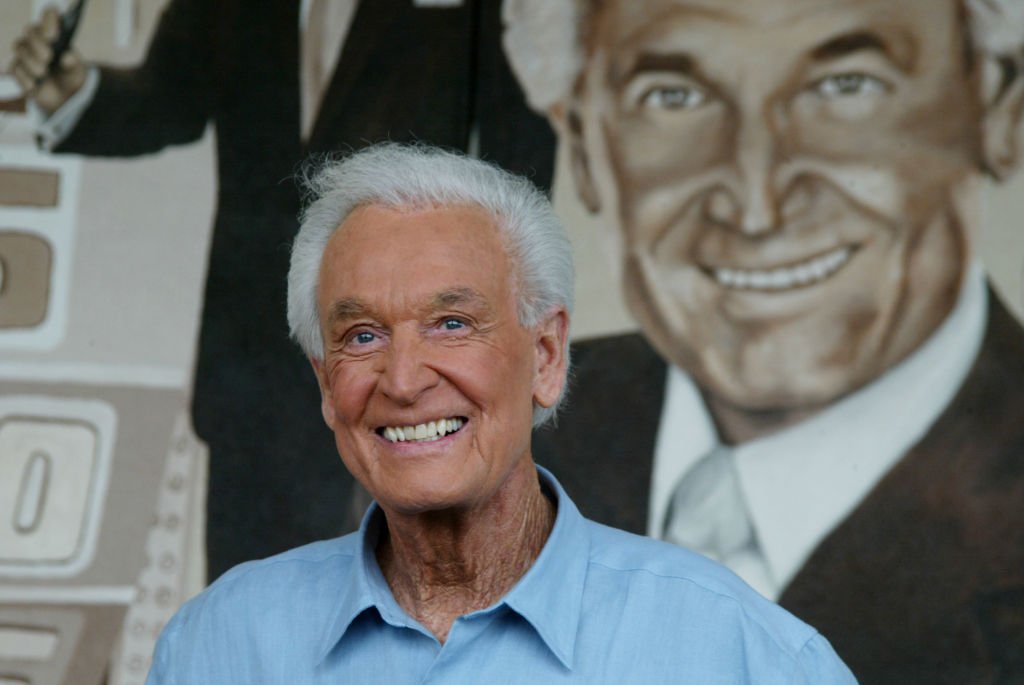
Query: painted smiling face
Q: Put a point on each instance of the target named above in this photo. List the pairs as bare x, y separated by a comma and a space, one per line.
428, 379
785, 176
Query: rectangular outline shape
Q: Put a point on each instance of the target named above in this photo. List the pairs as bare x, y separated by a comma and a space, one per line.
33, 177
58, 226
104, 417
46, 641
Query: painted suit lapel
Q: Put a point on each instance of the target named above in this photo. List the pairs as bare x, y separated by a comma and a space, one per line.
602, 452
912, 585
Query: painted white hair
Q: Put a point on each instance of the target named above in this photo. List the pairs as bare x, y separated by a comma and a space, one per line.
544, 40
418, 176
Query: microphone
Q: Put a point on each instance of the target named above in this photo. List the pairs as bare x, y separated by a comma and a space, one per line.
69, 21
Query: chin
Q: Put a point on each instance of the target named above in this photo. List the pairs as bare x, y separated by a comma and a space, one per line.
427, 495
802, 390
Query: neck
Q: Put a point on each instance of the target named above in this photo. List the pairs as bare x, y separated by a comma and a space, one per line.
736, 425
444, 564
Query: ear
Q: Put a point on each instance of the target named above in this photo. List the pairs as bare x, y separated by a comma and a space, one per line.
326, 407
552, 357
568, 122
1004, 104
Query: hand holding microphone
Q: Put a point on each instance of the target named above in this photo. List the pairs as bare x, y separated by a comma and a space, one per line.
45, 66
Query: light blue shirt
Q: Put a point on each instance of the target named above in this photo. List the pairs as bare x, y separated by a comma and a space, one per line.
598, 606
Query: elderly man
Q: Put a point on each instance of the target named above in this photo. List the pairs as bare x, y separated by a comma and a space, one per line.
832, 405
326, 75
432, 293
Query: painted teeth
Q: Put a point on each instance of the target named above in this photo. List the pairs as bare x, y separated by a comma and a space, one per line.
783, 278
423, 432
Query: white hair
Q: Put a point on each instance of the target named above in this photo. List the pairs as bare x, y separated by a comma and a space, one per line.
545, 40
415, 176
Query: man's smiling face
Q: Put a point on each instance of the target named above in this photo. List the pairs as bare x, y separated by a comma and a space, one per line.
428, 378
784, 173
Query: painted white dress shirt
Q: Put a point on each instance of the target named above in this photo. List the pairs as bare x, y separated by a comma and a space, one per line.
801, 482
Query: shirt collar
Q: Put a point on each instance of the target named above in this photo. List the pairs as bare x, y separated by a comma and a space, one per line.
549, 596
801, 482
365, 586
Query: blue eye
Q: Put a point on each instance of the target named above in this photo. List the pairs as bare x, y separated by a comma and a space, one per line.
363, 338
453, 324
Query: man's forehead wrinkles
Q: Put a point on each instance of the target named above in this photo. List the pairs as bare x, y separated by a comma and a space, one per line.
770, 13
459, 296
628, 22
642, 19
638, 18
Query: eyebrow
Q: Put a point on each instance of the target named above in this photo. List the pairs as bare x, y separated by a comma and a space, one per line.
459, 297
679, 62
902, 55
354, 308
347, 308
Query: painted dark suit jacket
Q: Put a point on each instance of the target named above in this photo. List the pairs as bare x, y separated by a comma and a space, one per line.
404, 73
923, 583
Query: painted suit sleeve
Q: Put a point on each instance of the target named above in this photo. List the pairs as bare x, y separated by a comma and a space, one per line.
167, 100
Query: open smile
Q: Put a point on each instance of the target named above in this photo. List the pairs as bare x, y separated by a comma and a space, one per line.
787, 277
423, 432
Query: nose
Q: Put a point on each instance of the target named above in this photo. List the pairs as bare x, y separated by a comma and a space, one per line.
747, 199
405, 373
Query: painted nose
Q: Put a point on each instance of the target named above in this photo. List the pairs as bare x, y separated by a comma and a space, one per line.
748, 198
406, 375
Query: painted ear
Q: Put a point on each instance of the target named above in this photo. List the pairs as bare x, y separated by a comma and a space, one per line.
552, 358
567, 121
326, 407
1004, 105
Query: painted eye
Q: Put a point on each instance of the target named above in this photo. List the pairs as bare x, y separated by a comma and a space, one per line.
849, 85
674, 97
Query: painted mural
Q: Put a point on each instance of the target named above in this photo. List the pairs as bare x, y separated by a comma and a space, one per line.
825, 392
800, 279
101, 480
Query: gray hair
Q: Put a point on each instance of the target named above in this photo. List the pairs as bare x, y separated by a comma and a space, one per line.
544, 40
416, 176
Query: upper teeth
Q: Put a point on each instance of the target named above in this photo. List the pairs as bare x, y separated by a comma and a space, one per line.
810, 271
423, 431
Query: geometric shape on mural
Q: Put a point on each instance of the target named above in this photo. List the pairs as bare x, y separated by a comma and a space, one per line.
161, 587
48, 645
27, 643
39, 199
55, 461
46, 472
20, 187
25, 264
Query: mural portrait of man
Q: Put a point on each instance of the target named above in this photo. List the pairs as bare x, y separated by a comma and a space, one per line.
826, 396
